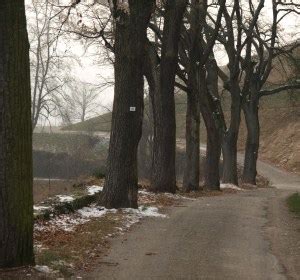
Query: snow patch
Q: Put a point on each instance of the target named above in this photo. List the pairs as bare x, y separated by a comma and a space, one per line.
62, 222
43, 269
145, 211
151, 212
65, 198
169, 195
135, 215
230, 186
178, 196
41, 208
145, 192
92, 212
94, 189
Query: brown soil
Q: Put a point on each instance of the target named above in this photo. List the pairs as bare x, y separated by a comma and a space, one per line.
280, 137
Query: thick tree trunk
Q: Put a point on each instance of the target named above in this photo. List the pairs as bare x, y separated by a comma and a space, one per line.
213, 154
163, 177
213, 149
229, 148
214, 121
152, 74
250, 110
16, 200
229, 143
192, 167
121, 184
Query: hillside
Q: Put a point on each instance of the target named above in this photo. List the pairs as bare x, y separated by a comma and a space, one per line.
280, 128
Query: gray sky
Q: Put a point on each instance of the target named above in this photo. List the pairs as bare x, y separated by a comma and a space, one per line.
94, 74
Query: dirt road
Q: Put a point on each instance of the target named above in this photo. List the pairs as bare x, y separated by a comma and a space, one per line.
225, 237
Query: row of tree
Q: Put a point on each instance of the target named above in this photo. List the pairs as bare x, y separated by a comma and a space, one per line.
180, 52
171, 43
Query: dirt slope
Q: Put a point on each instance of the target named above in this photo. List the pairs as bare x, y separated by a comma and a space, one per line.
280, 137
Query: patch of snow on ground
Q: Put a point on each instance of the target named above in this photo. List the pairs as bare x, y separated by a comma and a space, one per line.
170, 195
92, 212
43, 269
62, 222
230, 186
144, 192
65, 198
144, 211
135, 215
94, 189
151, 212
41, 208
68, 222
178, 196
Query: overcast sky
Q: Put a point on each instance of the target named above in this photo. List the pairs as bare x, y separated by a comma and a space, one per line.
94, 73
290, 24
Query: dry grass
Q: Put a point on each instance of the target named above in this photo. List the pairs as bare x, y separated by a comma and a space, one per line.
69, 252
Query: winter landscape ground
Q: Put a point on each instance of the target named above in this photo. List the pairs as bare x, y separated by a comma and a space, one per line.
147, 139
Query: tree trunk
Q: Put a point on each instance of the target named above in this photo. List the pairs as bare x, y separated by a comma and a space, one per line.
163, 177
250, 110
192, 167
152, 74
213, 154
213, 149
229, 148
121, 184
16, 199
213, 117
229, 142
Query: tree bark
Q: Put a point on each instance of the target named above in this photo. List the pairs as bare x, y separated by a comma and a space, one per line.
213, 154
213, 117
152, 74
213, 148
250, 110
121, 184
16, 199
163, 178
229, 141
192, 168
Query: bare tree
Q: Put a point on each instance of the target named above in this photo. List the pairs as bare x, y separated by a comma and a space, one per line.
195, 51
163, 178
49, 58
258, 66
251, 46
235, 36
78, 102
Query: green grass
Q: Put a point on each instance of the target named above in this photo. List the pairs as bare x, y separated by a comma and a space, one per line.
294, 203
